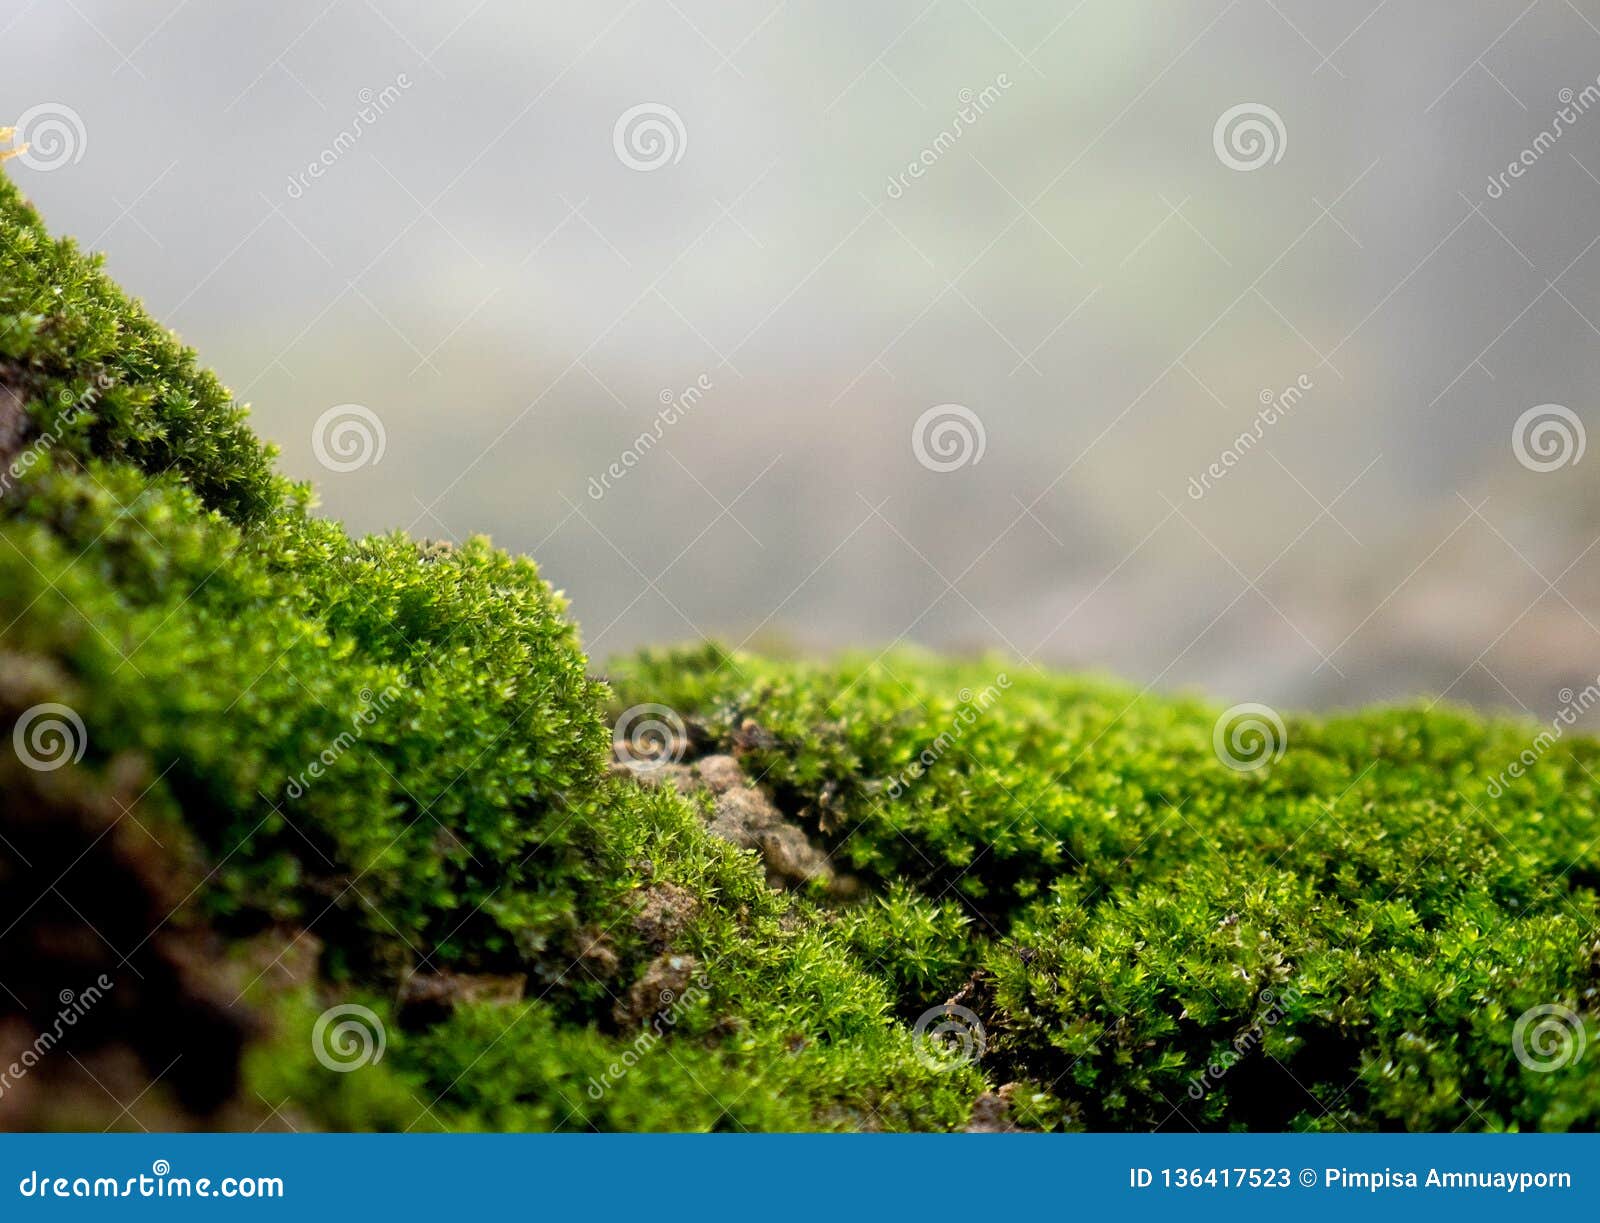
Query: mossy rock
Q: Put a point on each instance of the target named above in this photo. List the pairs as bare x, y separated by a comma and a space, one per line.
316, 786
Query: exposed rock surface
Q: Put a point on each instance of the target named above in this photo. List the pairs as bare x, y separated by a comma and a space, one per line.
663, 982
665, 911
991, 1113
744, 815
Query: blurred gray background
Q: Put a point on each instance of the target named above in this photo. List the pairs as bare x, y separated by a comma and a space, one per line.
1077, 265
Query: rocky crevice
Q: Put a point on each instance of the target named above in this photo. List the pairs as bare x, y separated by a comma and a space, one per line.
743, 814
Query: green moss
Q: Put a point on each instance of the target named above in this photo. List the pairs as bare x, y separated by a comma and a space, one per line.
1344, 938
104, 378
391, 752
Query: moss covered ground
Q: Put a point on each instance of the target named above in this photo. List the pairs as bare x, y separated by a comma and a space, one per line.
341, 826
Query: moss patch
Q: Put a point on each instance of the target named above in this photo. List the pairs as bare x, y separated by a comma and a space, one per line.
375, 779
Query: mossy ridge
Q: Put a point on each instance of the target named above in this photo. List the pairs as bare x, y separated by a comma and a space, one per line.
1364, 917
1073, 864
397, 746
69, 335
